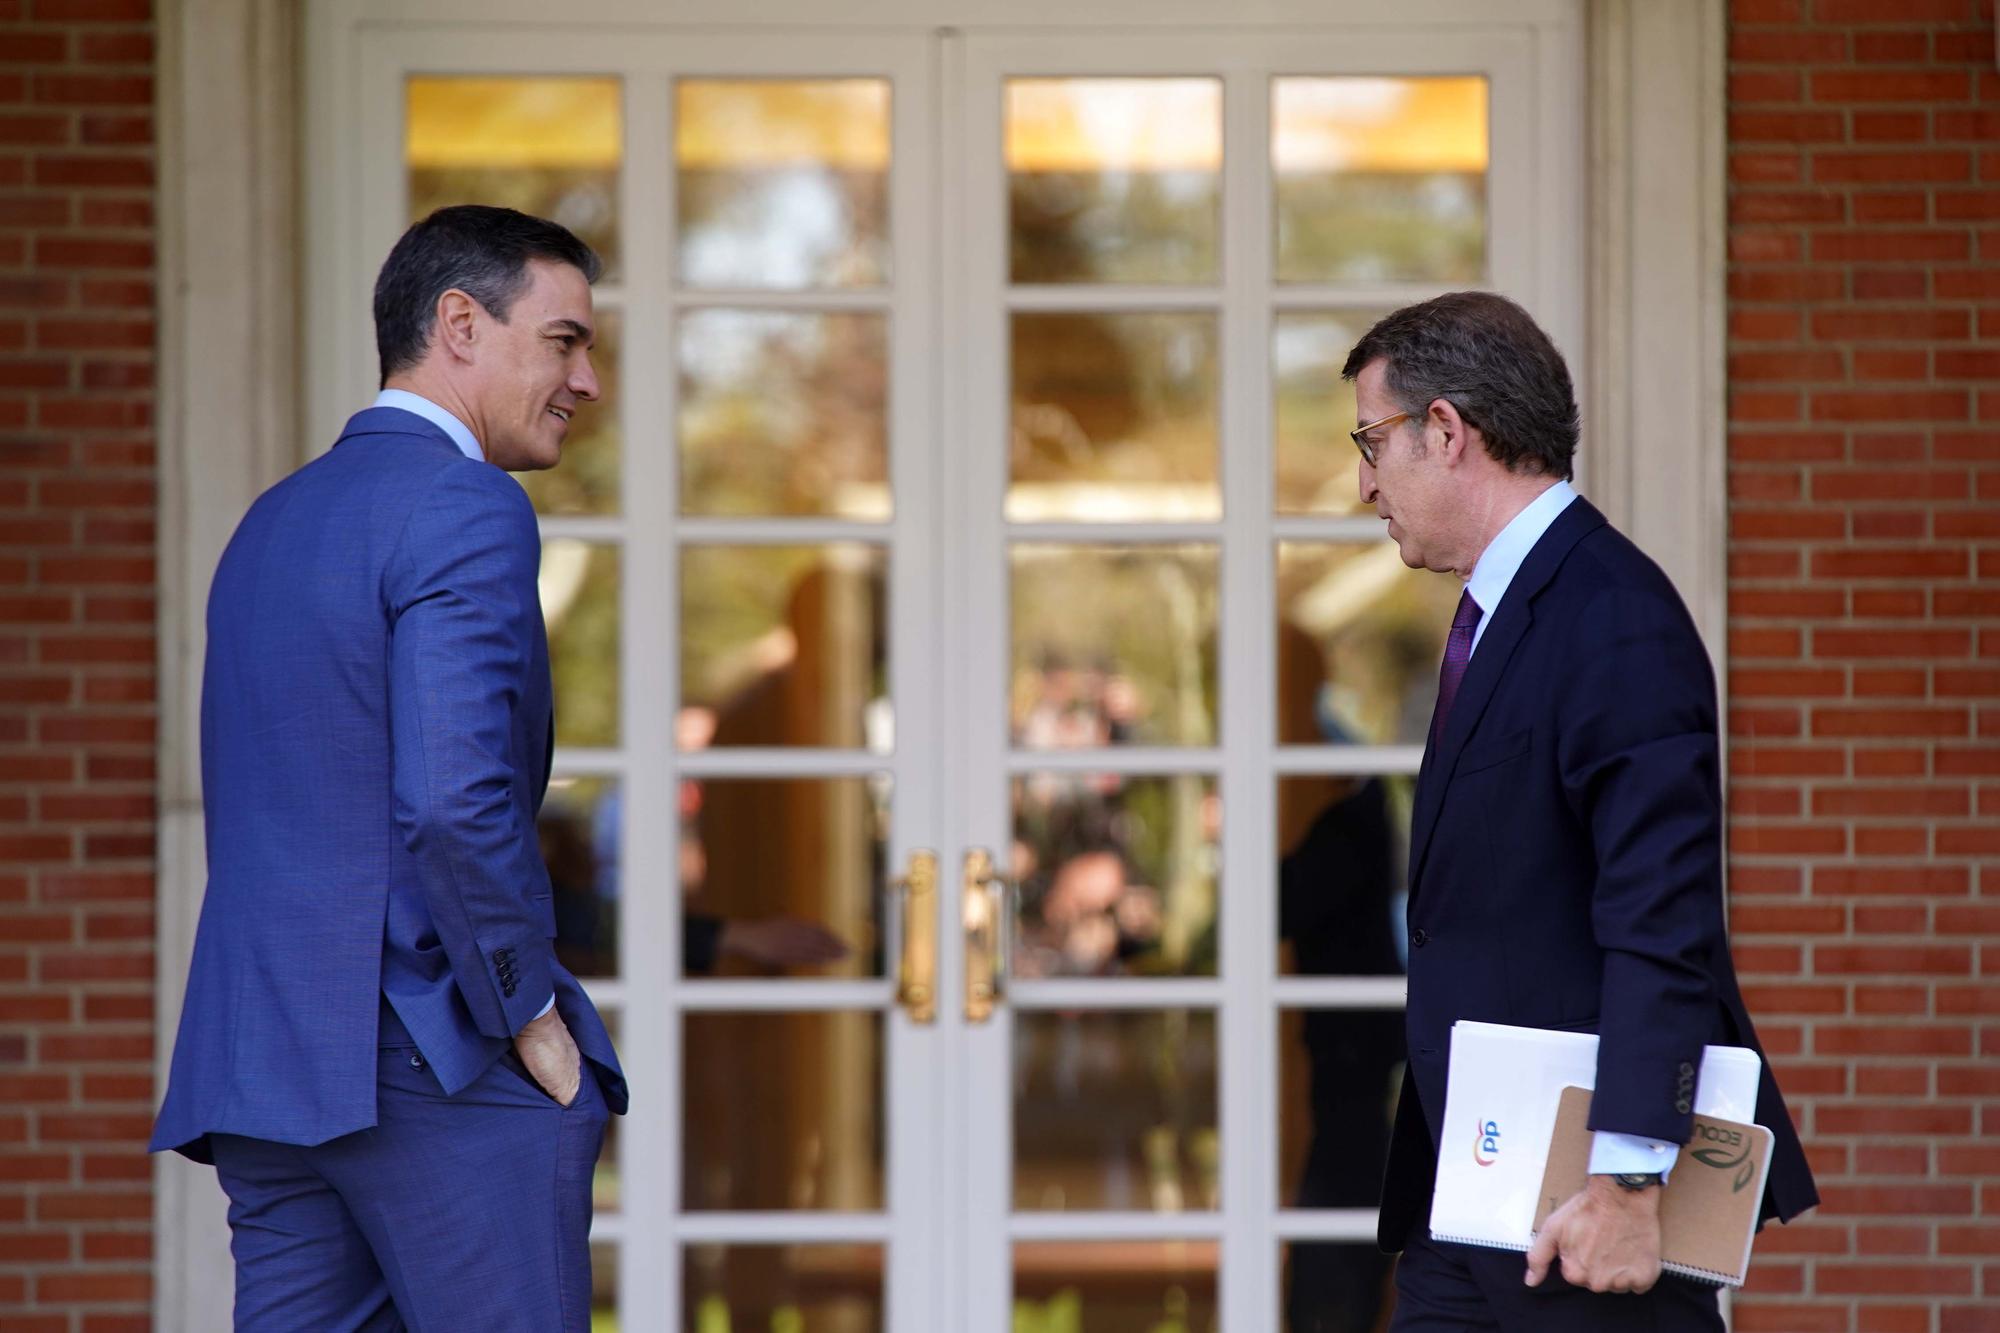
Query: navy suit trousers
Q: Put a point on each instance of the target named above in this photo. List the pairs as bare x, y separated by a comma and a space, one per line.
1462, 1288
453, 1212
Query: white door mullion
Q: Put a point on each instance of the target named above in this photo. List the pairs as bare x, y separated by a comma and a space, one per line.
1249, 930
1100, 1226
974, 291
791, 1228
1118, 993
650, 924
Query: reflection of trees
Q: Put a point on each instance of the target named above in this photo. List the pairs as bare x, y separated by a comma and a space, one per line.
784, 413
583, 647
1381, 226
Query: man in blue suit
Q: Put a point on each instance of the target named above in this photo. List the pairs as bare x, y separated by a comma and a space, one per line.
401, 1090
1566, 843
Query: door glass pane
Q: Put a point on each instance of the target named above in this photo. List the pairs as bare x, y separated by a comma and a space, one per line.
1114, 645
579, 591
1115, 1110
784, 645
1335, 1286
783, 1288
783, 876
782, 1111
782, 184
1114, 180
604, 1259
1360, 638
1117, 875
1114, 418
580, 836
587, 481
1318, 465
546, 146
784, 413
1380, 179
1338, 1072
1132, 1286
1343, 846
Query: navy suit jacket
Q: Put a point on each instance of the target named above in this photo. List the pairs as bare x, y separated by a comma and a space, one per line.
376, 730
1566, 858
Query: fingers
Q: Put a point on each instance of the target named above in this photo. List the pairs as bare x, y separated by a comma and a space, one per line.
1540, 1255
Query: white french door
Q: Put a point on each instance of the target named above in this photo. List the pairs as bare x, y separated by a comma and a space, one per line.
970, 480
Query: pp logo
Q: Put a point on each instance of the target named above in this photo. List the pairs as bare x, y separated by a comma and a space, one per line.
1486, 1143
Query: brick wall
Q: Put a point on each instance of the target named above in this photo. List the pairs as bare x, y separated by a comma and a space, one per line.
1864, 357
77, 670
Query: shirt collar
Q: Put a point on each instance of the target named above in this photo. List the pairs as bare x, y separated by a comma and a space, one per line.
1502, 560
461, 434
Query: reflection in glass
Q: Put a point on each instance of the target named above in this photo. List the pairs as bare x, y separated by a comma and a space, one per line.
784, 412
782, 184
546, 146
579, 592
1343, 846
1117, 875
607, 1188
1336, 1287
1380, 179
1135, 1286
1115, 1110
1371, 631
784, 645
1113, 645
783, 1111
786, 1288
1114, 418
1114, 180
1318, 466
587, 481
580, 836
604, 1261
783, 876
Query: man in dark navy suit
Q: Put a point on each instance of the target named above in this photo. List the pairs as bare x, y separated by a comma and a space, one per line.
401, 1089
1566, 844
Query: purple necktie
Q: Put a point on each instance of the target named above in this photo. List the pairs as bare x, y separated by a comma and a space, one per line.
1457, 652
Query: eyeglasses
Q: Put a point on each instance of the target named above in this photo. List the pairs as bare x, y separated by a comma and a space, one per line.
1359, 434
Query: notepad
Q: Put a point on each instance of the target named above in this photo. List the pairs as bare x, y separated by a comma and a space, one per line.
1708, 1211
1502, 1093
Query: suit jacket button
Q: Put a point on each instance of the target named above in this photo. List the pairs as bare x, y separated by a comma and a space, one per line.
1687, 1070
1683, 1106
1419, 938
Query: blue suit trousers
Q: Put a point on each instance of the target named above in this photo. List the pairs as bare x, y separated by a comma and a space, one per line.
452, 1212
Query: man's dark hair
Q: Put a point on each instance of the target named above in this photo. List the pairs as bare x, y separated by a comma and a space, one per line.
480, 250
1488, 358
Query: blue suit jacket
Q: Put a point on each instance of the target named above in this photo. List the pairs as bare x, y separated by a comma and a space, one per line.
1566, 858
376, 729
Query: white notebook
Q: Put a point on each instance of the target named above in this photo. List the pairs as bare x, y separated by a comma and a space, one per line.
1502, 1088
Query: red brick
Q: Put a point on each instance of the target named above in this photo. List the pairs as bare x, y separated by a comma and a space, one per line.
1856, 85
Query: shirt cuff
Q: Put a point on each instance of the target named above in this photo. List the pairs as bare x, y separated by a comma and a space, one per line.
1629, 1154
552, 1004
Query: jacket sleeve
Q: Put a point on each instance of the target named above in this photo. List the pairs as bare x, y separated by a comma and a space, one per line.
1637, 748
463, 607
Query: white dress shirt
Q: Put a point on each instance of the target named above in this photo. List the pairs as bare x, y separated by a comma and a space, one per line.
468, 444
1610, 1154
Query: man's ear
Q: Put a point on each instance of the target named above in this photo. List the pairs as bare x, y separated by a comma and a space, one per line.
1454, 434
457, 324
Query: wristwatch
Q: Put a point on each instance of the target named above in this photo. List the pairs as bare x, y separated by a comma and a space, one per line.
1638, 1180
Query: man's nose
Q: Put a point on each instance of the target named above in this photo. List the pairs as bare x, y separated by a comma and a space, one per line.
583, 382
1367, 483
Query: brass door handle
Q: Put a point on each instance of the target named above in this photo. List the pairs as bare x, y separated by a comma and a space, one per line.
984, 906
916, 976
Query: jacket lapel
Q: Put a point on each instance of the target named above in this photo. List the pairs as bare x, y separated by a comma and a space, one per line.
1510, 624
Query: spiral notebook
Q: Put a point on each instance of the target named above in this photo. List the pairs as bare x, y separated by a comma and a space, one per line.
1708, 1211
1503, 1089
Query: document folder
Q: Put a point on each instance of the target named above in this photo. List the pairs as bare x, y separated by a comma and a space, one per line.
1502, 1090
